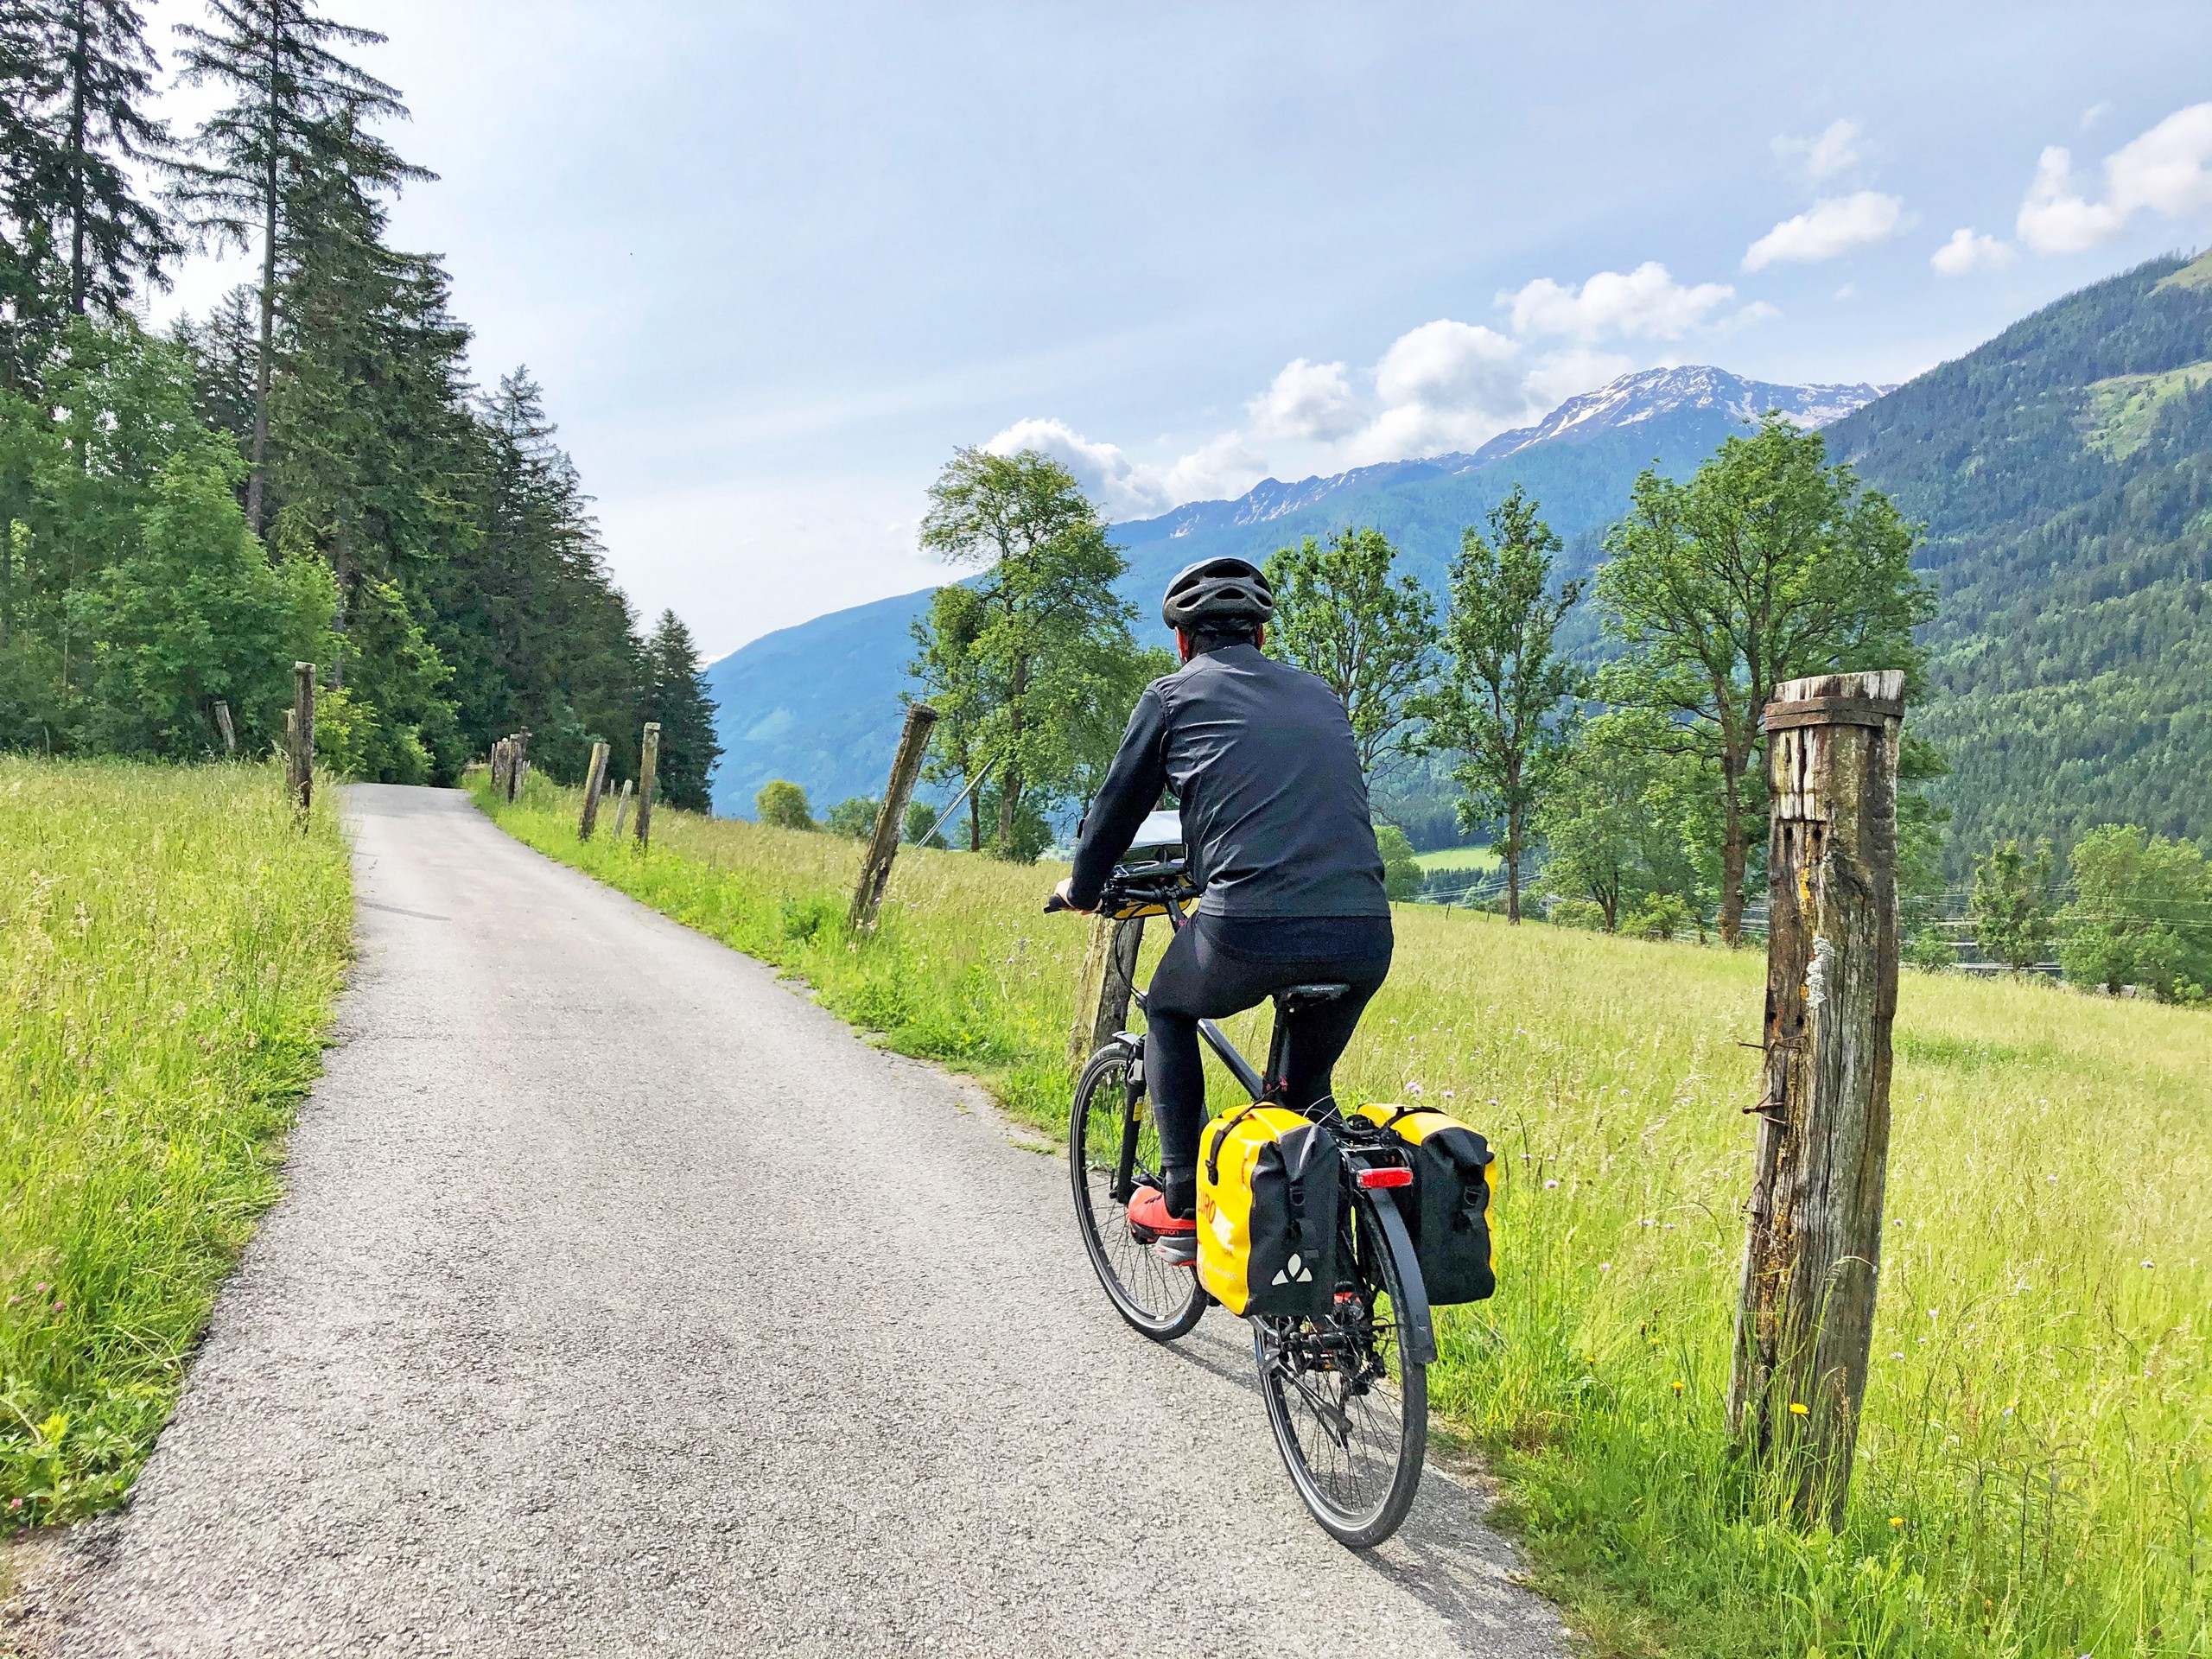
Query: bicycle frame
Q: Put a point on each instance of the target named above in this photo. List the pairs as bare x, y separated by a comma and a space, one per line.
1418, 1325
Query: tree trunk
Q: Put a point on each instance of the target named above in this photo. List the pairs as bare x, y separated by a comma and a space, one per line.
1513, 866
1732, 850
263, 370
1813, 1254
77, 165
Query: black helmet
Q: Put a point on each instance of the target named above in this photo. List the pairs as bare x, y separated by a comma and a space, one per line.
1225, 590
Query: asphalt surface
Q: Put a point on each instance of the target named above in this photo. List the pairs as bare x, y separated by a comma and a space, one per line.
624, 1302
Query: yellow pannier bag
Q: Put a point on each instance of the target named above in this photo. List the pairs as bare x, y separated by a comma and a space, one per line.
1447, 1209
1268, 1199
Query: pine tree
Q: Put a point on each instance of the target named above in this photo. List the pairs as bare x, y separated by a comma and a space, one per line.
538, 632
290, 90
676, 696
222, 348
98, 71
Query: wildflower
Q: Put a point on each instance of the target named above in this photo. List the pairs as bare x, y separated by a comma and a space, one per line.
1447, 1094
1414, 1089
2146, 1265
58, 1306
1549, 1184
1896, 1355
1896, 1520
1797, 1410
1678, 1385
1604, 1267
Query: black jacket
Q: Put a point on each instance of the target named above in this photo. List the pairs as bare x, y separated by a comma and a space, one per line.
1274, 804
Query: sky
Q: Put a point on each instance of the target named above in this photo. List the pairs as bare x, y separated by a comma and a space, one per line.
774, 263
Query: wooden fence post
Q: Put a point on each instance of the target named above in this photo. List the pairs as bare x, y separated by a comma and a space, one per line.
594, 780
223, 725
621, 809
1105, 985
648, 776
302, 735
1812, 1256
891, 817
517, 764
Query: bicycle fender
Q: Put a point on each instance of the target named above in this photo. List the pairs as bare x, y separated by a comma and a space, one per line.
1421, 1329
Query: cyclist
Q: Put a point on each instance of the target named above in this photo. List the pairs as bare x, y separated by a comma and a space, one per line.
1276, 826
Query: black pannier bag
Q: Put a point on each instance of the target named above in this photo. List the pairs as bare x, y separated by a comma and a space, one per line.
1447, 1207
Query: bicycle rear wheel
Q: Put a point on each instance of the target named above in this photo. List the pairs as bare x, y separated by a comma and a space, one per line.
1350, 1411
1162, 1301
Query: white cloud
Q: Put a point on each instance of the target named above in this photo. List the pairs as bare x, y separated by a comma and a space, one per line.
2093, 114
2166, 171
1832, 226
1968, 251
1312, 401
1558, 376
2054, 218
1645, 301
1451, 365
1836, 151
1131, 489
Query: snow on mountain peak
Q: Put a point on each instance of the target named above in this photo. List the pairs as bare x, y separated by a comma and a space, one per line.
1651, 392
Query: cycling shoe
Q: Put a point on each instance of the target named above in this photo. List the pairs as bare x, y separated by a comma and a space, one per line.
1174, 1239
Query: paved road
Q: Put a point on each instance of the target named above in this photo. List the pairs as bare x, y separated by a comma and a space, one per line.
624, 1303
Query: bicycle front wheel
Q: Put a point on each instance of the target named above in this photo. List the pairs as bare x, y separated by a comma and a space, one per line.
1111, 1136
1349, 1409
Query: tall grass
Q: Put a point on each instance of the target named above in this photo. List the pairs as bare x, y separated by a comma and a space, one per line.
2035, 1475
170, 947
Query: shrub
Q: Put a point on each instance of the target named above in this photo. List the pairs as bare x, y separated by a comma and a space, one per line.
784, 804
854, 817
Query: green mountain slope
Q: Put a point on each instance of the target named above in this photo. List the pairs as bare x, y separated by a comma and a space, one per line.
2065, 471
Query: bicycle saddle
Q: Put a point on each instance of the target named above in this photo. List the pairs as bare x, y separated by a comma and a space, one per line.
1292, 998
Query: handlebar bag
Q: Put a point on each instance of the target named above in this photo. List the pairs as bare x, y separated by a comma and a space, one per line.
1447, 1209
1268, 1199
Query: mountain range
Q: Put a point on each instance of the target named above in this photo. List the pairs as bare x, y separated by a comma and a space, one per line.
818, 703
2062, 472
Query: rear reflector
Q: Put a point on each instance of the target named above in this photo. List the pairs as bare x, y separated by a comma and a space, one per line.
1371, 1179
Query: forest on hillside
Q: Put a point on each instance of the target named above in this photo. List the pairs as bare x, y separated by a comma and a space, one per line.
2063, 471
308, 472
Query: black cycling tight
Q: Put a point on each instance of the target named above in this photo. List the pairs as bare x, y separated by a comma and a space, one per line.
1218, 966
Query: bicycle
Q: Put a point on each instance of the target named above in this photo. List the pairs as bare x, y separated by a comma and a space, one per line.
1347, 1395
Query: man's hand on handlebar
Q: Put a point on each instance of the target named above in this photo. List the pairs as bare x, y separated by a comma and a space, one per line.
1060, 900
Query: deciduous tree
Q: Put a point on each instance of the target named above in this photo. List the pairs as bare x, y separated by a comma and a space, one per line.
1501, 706
1341, 614
2011, 904
1035, 667
1769, 564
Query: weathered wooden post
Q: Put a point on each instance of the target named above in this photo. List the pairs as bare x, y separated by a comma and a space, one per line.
621, 809
223, 725
303, 736
594, 780
648, 775
891, 817
517, 763
1103, 988
1813, 1254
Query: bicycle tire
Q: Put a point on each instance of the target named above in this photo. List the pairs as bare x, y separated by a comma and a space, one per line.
1162, 1302
1301, 1377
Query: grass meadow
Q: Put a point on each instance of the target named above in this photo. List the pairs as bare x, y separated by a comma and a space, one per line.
171, 945
2036, 1467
